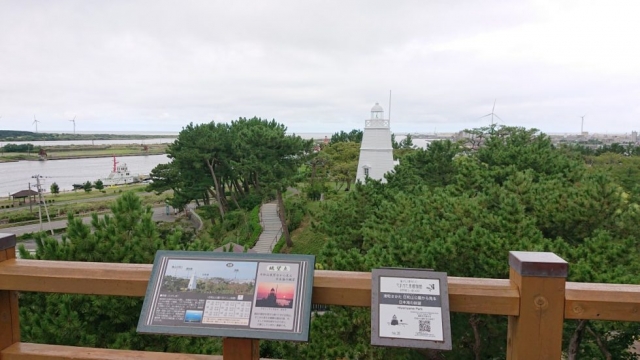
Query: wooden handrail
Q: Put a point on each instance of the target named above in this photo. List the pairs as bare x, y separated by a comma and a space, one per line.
535, 295
469, 295
28, 351
614, 302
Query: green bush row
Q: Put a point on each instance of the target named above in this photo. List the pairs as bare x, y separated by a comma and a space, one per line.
21, 216
255, 228
279, 245
296, 208
48, 201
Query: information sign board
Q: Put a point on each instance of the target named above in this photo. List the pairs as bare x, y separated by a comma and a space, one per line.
247, 295
410, 308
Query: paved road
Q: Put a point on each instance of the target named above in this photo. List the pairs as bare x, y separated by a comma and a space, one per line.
158, 215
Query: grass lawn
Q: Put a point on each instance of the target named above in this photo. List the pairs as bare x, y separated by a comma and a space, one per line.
80, 194
79, 202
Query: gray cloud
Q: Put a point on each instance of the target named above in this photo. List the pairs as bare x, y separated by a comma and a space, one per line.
318, 66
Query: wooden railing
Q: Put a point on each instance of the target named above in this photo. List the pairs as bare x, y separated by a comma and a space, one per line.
535, 298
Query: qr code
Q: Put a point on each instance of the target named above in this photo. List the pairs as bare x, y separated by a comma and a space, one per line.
424, 325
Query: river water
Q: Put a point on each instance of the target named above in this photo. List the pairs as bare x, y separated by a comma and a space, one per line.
16, 176
92, 142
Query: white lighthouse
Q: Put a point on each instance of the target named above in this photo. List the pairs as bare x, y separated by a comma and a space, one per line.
376, 152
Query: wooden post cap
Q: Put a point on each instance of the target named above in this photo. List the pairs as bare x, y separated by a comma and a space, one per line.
541, 264
7, 241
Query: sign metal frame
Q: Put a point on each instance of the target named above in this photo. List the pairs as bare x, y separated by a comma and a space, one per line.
301, 300
409, 274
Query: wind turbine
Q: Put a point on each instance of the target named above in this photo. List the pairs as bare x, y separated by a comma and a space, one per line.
492, 114
74, 124
582, 125
35, 121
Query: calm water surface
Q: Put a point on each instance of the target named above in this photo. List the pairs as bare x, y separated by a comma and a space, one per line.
16, 176
92, 142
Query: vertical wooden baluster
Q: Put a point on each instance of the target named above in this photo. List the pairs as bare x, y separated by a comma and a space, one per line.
537, 332
240, 349
9, 318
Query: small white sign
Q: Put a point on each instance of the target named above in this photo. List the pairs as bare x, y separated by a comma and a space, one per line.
410, 309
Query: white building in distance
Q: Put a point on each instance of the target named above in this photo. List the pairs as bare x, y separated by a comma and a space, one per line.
376, 152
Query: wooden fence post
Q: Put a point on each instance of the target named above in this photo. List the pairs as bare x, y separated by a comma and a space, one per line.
240, 349
9, 318
537, 332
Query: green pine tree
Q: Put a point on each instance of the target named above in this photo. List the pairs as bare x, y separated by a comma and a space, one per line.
129, 235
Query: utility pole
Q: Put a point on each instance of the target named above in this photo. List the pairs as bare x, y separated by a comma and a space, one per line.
30, 201
39, 200
40, 203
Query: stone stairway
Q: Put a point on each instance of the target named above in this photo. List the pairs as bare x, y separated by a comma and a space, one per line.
271, 228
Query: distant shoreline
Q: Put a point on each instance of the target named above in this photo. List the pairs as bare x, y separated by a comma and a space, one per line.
25, 136
70, 152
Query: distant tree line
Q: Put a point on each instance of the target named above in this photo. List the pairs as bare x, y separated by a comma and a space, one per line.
11, 148
10, 135
615, 148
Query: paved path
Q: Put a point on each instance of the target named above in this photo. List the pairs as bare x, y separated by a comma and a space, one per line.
158, 215
30, 245
271, 228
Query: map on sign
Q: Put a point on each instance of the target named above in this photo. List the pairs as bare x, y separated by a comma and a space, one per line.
410, 308
265, 296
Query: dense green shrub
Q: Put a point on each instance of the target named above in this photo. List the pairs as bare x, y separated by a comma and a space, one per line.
17, 148
20, 216
279, 245
315, 191
255, 229
234, 219
128, 236
296, 209
250, 201
208, 212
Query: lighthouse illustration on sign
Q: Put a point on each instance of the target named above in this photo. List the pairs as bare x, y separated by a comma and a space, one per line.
193, 283
376, 152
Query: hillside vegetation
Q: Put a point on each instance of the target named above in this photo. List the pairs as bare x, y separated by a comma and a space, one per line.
461, 211
452, 207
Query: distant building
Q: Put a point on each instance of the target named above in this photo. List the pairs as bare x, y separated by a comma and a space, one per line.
376, 152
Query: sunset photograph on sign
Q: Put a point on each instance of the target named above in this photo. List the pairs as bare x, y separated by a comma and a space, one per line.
275, 295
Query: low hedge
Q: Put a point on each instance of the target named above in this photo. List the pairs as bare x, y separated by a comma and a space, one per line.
254, 227
279, 245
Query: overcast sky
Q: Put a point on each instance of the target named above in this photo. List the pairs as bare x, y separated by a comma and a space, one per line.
319, 66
